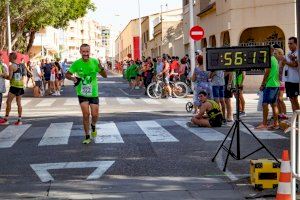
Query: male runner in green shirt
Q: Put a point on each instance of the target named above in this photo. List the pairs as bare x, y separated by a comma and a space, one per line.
86, 83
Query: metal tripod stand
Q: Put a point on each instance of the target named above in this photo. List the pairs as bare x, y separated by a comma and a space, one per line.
235, 131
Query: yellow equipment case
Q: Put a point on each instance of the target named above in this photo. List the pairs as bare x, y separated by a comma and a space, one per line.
264, 173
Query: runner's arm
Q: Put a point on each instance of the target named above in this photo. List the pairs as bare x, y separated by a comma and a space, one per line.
263, 84
70, 77
202, 111
10, 72
102, 71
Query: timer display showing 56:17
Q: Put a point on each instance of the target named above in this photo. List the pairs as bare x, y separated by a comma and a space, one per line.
231, 58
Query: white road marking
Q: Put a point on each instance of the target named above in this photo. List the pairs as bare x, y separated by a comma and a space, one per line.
72, 102
108, 133
220, 164
155, 132
11, 134
57, 134
206, 134
24, 102
261, 134
102, 101
125, 101
151, 101
178, 101
46, 102
41, 170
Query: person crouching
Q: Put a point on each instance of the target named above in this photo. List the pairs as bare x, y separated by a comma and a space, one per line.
210, 114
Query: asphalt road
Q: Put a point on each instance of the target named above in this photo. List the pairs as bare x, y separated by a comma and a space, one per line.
143, 151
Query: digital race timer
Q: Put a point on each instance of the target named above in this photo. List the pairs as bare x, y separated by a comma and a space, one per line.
237, 58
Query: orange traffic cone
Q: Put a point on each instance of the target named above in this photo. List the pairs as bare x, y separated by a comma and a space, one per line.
284, 187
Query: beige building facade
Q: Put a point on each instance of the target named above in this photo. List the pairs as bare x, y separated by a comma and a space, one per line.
127, 43
162, 34
243, 23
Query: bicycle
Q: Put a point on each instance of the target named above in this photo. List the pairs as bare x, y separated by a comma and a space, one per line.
157, 89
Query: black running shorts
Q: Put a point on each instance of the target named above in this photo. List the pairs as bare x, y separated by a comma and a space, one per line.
16, 91
91, 100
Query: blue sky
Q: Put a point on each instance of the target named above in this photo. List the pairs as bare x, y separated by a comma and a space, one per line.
126, 10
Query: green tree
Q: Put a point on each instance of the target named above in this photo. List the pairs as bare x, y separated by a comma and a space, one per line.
30, 16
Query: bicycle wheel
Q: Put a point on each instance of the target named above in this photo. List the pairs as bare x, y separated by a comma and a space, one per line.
154, 90
180, 90
189, 107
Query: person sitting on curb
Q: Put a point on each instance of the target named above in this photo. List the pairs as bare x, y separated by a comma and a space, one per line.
210, 114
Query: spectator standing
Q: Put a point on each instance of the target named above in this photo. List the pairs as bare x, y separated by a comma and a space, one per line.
37, 76
64, 66
218, 87
270, 87
201, 79
29, 73
291, 73
279, 54
238, 81
46, 69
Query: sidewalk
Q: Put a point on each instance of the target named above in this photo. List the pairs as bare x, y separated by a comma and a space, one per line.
147, 188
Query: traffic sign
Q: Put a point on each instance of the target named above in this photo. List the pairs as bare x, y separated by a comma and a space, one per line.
197, 33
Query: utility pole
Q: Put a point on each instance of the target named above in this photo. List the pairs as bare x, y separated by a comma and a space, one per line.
8, 27
140, 30
192, 44
298, 28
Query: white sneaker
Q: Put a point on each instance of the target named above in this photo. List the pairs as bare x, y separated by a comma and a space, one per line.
58, 93
54, 94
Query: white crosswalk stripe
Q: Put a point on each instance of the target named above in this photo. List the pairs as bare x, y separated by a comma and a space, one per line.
108, 133
155, 132
24, 102
125, 101
261, 134
178, 101
46, 103
206, 134
112, 133
151, 101
57, 134
71, 102
11, 134
102, 101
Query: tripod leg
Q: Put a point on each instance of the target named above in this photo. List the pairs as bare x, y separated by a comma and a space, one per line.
263, 146
229, 149
213, 159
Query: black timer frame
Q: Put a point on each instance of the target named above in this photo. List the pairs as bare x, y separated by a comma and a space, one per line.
235, 128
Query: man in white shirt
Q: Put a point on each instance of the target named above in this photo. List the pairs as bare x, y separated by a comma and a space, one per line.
37, 75
291, 73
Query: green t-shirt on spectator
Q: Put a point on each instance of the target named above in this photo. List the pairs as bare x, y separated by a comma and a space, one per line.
273, 78
87, 71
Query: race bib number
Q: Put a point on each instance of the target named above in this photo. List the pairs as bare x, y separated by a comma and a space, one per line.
86, 90
17, 76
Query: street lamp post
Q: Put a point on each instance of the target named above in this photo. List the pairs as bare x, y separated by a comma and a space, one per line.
140, 31
8, 27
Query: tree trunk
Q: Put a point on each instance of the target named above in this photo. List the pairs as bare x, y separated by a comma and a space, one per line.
16, 37
31, 40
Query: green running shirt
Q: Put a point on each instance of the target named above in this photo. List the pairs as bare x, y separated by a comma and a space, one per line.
87, 71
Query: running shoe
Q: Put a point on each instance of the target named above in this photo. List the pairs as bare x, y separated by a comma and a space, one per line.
18, 123
86, 141
94, 134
